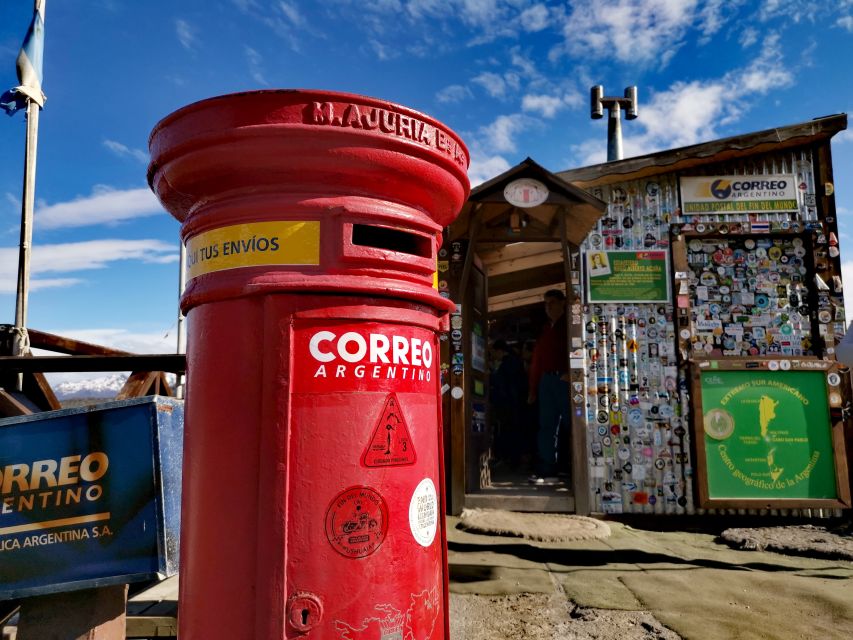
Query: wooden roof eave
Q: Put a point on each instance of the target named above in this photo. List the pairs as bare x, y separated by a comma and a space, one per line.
716, 151
583, 208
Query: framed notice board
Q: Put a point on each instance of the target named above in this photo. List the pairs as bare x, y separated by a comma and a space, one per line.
769, 433
627, 276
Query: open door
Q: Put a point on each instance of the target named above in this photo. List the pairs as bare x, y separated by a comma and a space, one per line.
516, 238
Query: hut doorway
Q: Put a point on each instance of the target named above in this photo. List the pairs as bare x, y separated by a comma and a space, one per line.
499, 260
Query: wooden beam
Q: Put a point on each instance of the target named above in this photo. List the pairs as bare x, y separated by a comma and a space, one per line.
715, 152
144, 383
152, 627
12, 405
137, 384
172, 362
577, 424
88, 614
61, 344
521, 298
38, 389
501, 235
527, 278
527, 262
518, 250
488, 214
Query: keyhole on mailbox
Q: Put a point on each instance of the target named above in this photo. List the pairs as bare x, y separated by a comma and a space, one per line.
305, 614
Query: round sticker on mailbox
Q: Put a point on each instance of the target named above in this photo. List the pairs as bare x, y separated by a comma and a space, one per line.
423, 513
357, 522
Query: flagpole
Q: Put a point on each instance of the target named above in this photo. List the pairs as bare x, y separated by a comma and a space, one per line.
27, 205
29, 66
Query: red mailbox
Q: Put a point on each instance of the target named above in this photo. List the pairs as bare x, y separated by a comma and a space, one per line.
313, 483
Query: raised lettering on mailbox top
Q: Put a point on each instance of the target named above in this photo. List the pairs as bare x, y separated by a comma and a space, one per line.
387, 122
364, 357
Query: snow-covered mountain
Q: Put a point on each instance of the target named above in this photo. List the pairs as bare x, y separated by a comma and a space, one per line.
103, 387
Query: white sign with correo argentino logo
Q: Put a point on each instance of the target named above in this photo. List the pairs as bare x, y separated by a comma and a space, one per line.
738, 194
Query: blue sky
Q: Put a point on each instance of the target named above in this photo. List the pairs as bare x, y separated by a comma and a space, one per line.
512, 77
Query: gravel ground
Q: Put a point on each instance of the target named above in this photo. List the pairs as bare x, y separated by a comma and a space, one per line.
535, 616
803, 540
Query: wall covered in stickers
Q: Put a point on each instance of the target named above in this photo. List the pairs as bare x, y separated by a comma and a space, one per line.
746, 277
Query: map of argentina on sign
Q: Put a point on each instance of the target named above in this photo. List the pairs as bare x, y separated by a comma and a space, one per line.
768, 435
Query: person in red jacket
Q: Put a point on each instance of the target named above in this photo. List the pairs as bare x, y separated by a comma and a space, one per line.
549, 384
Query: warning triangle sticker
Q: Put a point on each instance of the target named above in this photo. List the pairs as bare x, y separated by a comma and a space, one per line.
391, 444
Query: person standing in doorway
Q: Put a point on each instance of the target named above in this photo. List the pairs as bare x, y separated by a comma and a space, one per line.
549, 384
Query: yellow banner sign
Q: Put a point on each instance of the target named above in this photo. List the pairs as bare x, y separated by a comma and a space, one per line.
253, 245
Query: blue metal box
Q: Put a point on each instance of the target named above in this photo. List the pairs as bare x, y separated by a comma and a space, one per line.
90, 496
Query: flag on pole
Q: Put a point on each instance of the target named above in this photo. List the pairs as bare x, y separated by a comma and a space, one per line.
29, 66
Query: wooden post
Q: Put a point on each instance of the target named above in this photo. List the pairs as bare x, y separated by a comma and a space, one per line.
89, 614
580, 462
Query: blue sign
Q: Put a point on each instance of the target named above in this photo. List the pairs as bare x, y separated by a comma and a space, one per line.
90, 496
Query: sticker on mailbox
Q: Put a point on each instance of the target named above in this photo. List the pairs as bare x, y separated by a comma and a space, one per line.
367, 356
423, 513
391, 444
357, 522
252, 245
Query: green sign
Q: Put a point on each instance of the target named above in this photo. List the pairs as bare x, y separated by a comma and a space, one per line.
627, 276
767, 434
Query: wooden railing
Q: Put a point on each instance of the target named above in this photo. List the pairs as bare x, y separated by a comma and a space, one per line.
24, 388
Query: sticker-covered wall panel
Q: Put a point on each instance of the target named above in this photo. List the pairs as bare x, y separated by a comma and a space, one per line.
748, 286
632, 388
750, 296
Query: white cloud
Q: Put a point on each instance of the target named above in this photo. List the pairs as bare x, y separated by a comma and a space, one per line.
245, 5
841, 137
288, 23
749, 37
713, 16
766, 72
690, 112
123, 339
255, 61
382, 52
291, 12
186, 34
453, 93
123, 151
493, 140
546, 106
845, 22
500, 135
575, 99
794, 10
640, 33
79, 256
534, 18
104, 206
14, 200
589, 152
494, 84
485, 19
485, 168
